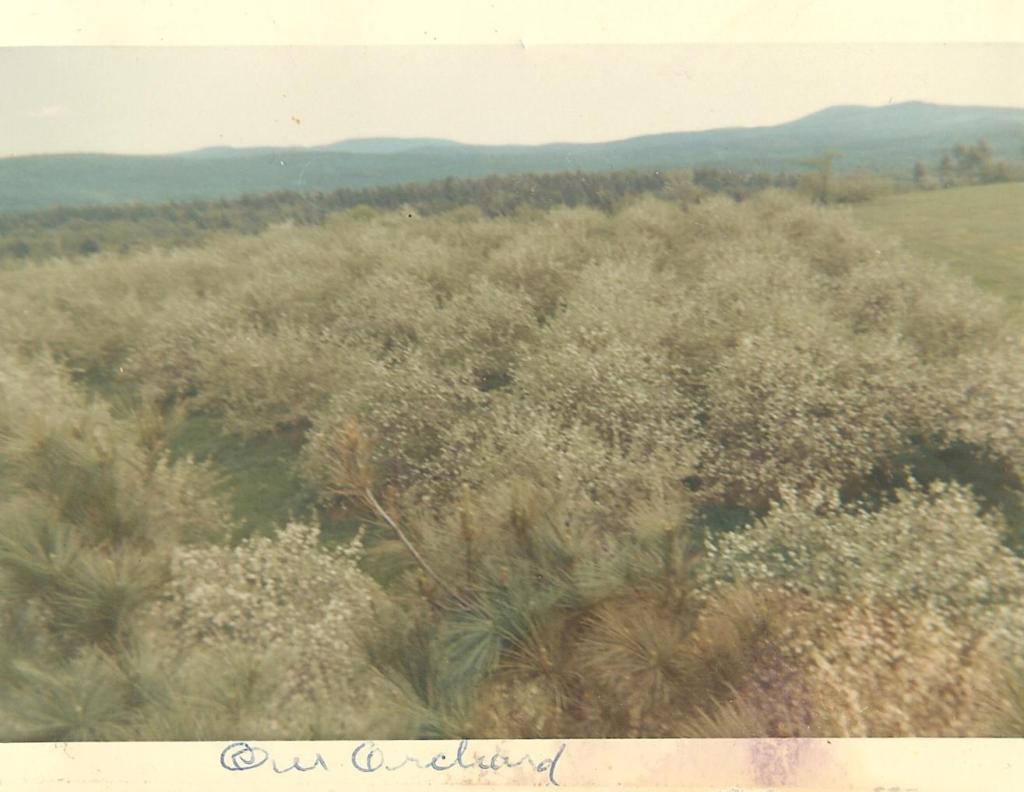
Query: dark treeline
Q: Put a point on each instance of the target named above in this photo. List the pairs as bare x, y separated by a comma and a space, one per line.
78, 231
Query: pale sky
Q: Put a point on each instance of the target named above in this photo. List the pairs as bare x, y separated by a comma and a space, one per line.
167, 99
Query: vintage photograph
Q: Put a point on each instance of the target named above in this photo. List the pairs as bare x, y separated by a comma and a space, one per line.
534, 391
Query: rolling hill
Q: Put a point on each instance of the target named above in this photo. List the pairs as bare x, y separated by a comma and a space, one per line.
888, 138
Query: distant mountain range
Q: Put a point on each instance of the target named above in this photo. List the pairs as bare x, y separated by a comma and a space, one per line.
889, 138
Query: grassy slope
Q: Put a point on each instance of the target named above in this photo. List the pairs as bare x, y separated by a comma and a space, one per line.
979, 231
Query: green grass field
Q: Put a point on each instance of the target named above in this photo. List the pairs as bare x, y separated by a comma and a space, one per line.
978, 231
260, 473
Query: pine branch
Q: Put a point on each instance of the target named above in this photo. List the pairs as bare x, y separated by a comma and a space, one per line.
372, 501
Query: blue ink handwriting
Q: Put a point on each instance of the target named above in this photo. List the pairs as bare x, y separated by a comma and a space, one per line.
368, 757
317, 762
242, 756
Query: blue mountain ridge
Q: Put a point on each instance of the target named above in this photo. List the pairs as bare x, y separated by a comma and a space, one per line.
888, 138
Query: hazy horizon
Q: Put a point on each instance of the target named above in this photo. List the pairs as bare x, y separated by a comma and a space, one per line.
336, 141
126, 100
